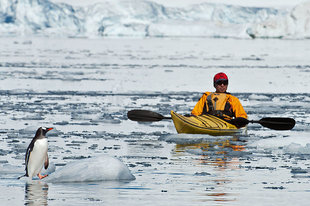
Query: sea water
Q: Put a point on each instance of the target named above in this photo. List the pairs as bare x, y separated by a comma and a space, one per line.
85, 87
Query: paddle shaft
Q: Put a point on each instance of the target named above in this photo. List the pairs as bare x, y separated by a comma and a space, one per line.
167, 117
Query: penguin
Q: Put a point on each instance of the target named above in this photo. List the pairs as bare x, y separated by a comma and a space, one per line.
36, 154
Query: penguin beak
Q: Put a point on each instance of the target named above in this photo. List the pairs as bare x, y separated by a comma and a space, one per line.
49, 129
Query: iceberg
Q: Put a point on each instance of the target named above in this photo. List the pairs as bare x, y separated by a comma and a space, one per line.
143, 18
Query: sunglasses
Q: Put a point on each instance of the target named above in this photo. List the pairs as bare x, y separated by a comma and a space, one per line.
220, 82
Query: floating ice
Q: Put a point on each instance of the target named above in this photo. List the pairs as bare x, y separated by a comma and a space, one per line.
296, 144
101, 168
29, 130
8, 169
51, 168
258, 97
294, 148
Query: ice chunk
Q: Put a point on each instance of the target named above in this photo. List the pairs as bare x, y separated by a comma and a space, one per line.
295, 148
101, 168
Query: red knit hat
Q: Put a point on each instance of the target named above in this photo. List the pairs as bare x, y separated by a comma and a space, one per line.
220, 76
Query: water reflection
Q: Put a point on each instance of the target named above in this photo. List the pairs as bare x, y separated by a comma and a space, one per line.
222, 154
219, 147
36, 193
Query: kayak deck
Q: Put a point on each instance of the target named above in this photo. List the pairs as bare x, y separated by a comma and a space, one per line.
203, 124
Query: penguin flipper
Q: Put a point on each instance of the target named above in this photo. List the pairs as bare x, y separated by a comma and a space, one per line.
27, 156
46, 163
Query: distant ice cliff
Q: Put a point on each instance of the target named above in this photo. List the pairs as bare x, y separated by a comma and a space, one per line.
142, 18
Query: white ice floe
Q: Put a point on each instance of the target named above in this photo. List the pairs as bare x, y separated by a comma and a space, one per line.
101, 168
295, 144
295, 148
258, 97
9, 169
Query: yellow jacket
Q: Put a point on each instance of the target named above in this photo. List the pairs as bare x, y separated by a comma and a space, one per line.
223, 104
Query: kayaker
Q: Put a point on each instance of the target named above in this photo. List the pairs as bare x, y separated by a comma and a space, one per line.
221, 103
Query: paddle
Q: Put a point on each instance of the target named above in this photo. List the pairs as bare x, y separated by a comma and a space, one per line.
276, 123
145, 116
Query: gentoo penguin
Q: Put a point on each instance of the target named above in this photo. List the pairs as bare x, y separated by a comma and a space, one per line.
36, 154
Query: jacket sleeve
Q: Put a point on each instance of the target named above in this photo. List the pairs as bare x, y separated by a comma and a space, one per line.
238, 108
198, 109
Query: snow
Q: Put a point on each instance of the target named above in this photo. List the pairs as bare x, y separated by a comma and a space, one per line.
141, 18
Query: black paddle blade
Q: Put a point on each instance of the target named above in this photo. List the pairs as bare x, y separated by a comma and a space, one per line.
278, 123
145, 116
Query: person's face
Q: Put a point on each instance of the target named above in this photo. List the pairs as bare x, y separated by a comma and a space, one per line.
221, 86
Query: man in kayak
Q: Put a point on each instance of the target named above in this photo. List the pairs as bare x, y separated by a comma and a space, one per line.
221, 103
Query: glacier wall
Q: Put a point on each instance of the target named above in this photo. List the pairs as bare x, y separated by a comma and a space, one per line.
142, 18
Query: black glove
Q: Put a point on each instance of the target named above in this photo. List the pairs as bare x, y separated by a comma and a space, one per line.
239, 122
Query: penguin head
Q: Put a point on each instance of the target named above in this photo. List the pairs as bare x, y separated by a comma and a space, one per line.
42, 131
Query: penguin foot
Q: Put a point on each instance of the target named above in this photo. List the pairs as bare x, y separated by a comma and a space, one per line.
42, 176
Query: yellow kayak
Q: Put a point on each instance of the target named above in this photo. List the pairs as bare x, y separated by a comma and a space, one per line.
204, 124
